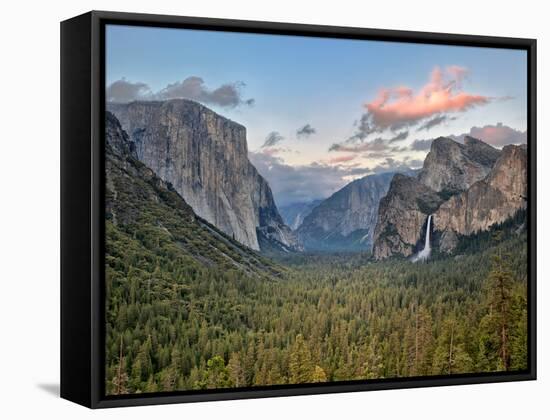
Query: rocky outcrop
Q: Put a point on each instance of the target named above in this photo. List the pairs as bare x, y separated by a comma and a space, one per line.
451, 167
205, 157
487, 202
402, 216
346, 220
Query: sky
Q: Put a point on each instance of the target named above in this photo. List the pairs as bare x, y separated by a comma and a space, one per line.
320, 112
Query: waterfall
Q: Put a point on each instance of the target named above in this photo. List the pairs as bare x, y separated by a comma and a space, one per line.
425, 253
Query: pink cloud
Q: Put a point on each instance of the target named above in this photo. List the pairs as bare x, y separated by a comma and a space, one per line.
499, 135
342, 159
400, 106
272, 151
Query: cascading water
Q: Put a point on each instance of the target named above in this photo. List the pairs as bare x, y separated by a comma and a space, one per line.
425, 253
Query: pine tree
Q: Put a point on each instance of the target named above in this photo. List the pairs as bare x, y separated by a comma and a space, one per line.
217, 374
319, 374
300, 366
236, 371
499, 305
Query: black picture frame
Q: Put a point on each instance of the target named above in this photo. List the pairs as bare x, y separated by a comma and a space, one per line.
82, 205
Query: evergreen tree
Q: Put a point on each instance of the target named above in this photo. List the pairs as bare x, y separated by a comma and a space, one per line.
300, 366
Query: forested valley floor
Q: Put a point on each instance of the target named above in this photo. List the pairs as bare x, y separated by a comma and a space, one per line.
173, 323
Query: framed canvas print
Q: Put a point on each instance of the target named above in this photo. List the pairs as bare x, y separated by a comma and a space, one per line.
255, 209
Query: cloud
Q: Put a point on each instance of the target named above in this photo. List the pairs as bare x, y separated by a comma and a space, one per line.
421, 145
395, 165
291, 184
125, 91
376, 145
377, 155
272, 139
228, 95
499, 134
496, 135
318, 180
305, 131
272, 151
342, 159
435, 121
400, 136
399, 107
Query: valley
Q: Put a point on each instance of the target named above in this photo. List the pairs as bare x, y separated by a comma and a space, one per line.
398, 274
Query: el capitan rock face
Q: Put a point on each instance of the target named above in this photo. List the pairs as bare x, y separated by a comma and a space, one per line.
346, 220
402, 216
205, 157
137, 200
489, 201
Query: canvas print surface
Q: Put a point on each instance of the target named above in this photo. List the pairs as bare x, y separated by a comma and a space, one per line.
285, 210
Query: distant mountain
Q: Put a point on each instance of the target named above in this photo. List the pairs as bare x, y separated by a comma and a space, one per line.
144, 212
466, 187
295, 213
205, 157
346, 220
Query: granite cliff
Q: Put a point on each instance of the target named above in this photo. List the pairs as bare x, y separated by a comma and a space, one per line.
145, 213
466, 187
204, 156
451, 167
402, 216
487, 202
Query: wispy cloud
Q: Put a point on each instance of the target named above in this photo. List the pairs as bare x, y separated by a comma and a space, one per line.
400, 136
228, 95
342, 159
421, 145
272, 139
376, 145
305, 131
435, 121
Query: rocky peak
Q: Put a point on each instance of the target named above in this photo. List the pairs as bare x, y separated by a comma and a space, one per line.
451, 167
402, 215
205, 157
487, 202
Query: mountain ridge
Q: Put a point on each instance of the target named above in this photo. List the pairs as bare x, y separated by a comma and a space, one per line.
346, 219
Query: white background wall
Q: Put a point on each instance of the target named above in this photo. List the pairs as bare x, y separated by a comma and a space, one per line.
29, 209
